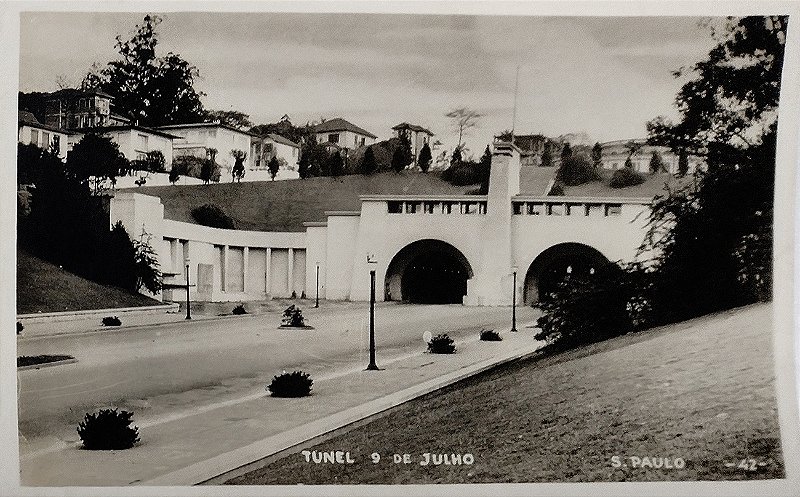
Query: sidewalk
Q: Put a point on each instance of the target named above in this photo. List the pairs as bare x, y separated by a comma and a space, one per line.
189, 448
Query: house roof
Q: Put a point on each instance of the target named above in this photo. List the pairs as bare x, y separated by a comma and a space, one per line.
339, 124
281, 139
412, 127
74, 92
28, 119
207, 125
119, 117
127, 127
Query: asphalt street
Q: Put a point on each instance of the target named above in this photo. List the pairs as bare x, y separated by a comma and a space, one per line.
162, 370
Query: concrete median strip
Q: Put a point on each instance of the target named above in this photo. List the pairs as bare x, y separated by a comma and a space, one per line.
224, 463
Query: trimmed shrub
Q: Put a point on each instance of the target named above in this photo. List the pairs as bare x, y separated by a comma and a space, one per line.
293, 316
108, 429
294, 384
441, 344
111, 321
625, 177
490, 336
576, 170
239, 310
20, 327
213, 216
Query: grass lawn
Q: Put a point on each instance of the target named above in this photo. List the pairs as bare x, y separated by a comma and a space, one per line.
701, 391
43, 287
286, 205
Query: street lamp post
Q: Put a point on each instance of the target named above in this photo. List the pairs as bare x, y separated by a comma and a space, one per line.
514, 300
188, 305
316, 298
372, 263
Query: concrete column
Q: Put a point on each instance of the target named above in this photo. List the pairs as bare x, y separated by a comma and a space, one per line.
268, 272
290, 272
492, 284
245, 257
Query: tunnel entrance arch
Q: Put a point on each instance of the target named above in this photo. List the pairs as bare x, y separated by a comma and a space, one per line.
428, 272
554, 264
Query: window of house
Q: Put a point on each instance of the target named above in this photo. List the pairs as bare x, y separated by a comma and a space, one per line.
447, 207
518, 208
594, 209
395, 207
45, 139
413, 207
363, 141
555, 209
482, 207
333, 138
141, 142
35, 137
613, 209
469, 208
56, 144
428, 207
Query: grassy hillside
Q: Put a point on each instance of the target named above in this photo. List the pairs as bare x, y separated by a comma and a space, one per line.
43, 287
286, 205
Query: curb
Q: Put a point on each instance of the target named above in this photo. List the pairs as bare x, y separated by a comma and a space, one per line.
48, 317
218, 466
47, 364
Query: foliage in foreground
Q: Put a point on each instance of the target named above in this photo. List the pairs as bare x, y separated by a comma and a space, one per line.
441, 344
294, 384
108, 429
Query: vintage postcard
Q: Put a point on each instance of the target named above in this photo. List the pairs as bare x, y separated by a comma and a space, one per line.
419, 248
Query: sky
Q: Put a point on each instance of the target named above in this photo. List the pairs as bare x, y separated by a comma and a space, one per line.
602, 76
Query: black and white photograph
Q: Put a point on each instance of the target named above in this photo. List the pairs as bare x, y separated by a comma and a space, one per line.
285, 249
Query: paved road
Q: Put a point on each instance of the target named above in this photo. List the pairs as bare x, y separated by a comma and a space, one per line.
160, 370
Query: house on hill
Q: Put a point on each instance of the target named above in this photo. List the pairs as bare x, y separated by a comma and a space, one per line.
344, 134
31, 131
196, 138
616, 153
417, 136
79, 109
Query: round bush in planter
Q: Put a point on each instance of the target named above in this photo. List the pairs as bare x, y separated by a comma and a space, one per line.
111, 321
490, 336
239, 310
108, 429
293, 318
294, 384
441, 344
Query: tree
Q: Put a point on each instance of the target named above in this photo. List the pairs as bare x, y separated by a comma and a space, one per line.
402, 156
455, 158
683, 162
234, 118
656, 163
368, 164
576, 170
237, 170
273, 167
629, 164
597, 155
174, 174
728, 116
146, 266
566, 151
95, 159
303, 166
425, 158
463, 119
210, 168
153, 91
485, 166
547, 156
335, 164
